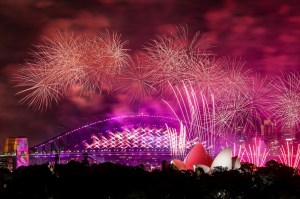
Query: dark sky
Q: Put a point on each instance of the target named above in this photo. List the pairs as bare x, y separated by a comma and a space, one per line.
265, 34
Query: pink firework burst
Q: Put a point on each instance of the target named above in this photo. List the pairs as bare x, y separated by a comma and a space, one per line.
139, 80
235, 77
242, 111
64, 57
234, 115
175, 54
206, 75
39, 88
107, 59
67, 61
259, 94
242, 101
286, 101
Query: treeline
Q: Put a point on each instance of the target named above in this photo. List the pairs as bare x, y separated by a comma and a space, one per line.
108, 180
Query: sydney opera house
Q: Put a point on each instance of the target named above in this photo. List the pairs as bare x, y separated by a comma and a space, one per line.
198, 158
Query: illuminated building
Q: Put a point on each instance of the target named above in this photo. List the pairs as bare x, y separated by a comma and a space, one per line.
15, 153
268, 129
198, 158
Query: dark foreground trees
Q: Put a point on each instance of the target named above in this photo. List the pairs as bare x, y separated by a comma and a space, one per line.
108, 180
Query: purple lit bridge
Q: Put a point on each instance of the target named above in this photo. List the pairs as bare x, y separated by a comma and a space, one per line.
129, 140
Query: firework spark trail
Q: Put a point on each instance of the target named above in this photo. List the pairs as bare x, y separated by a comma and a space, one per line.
54, 64
237, 150
178, 142
187, 111
288, 157
206, 119
113, 49
286, 101
256, 153
199, 116
169, 58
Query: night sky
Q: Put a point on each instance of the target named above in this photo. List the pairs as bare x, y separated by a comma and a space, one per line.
264, 34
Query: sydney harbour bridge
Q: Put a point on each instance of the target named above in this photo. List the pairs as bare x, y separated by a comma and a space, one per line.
127, 140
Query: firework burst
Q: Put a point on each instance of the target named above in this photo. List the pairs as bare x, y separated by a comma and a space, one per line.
64, 57
242, 101
40, 89
67, 61
175, 54
234, 78
107, 59
139, 80
286, 101
241, 114
206, 75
